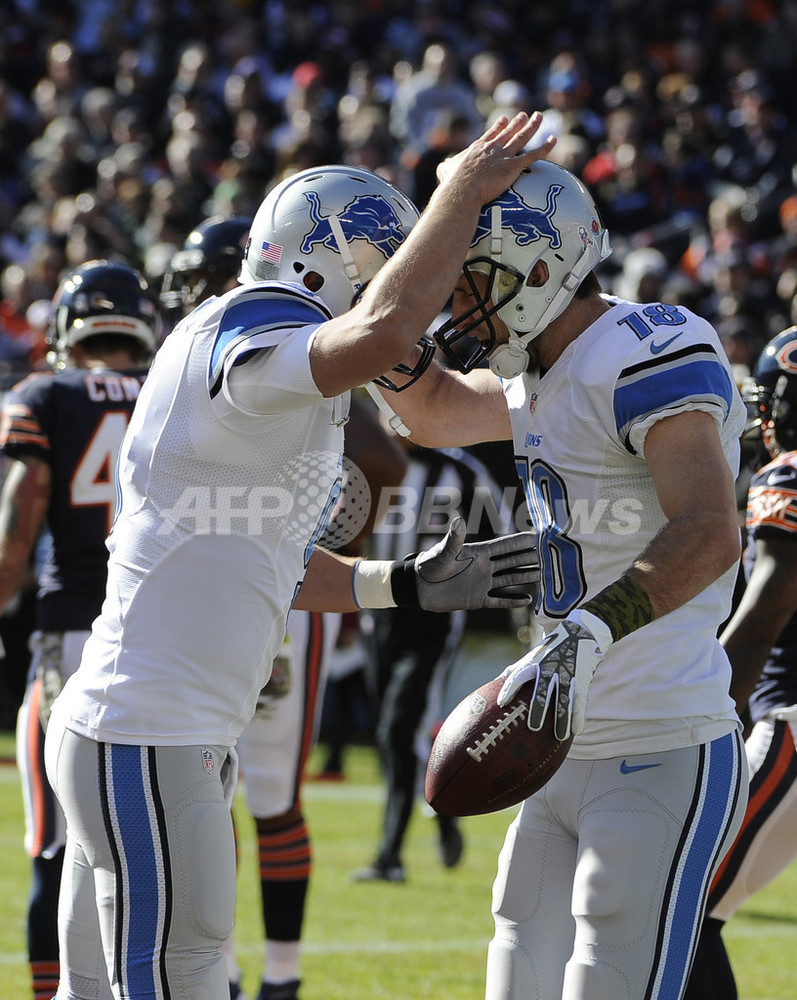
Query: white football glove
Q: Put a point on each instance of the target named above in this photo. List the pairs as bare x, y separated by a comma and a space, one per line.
454, 575
561, 665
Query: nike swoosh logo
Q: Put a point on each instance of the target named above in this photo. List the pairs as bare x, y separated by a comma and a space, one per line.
658, 348
626, 768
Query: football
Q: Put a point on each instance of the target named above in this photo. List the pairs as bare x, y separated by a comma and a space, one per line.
485, 758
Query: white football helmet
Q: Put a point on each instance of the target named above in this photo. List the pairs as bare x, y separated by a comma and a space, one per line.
547, 214
329, 228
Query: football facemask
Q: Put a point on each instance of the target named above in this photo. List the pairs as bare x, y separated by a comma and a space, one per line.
774, 379
546, 215
208, 261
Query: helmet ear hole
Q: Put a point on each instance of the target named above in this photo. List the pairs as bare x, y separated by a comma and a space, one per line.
546, 228
313, 281
340, 221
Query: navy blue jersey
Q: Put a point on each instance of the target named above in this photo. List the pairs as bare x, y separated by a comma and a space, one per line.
75, 421
772, 513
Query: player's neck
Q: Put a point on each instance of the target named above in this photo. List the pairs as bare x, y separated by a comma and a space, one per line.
557, 336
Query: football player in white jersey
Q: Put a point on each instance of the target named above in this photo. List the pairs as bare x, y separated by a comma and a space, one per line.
227, 474
274, 746
625, 420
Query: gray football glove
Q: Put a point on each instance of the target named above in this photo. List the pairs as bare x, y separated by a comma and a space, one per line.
457, 575
562, 666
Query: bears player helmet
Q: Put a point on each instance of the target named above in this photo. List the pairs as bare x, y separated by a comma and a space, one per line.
330, 229
546, 215
101, 297
209, 260
770, 394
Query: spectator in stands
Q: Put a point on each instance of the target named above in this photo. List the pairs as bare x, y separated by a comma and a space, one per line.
419, 99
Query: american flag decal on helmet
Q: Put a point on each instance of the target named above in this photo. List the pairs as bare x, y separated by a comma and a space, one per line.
271, 251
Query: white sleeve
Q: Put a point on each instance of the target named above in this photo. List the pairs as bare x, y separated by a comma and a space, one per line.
639, 431
260, 361
273, 379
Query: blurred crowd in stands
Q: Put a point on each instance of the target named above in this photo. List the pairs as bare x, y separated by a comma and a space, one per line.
123, 123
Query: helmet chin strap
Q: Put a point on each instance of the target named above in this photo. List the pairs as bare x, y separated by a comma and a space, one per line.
510, 359
394, 420
349, 266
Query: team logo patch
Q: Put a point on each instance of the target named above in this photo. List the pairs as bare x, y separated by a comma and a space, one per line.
207, 760
527, 223
94, 300
787, 357
367, 217
477, 704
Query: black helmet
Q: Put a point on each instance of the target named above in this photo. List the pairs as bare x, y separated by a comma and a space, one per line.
771, 391
101, 297
210, 257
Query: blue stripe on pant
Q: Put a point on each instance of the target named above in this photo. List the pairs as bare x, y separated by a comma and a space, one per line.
708, 828
134, 823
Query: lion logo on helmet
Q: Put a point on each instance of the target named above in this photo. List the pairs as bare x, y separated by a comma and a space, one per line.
527, 223
366, 217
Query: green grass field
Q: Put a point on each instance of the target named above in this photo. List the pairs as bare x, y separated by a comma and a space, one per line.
371, 941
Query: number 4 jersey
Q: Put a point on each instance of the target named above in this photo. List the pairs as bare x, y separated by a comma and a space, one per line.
579, 434
75, 421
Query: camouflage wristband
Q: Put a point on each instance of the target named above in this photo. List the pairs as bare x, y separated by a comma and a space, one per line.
624, 605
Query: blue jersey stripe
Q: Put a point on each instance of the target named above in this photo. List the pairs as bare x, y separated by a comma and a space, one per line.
670, 386
248, 316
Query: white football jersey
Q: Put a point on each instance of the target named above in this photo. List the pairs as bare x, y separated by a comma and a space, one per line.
221, 503
579, 436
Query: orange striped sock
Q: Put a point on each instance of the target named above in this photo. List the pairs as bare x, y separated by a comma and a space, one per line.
45, 979
284, 854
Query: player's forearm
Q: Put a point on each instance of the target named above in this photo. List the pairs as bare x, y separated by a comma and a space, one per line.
682, 560
445, 409
14, 559
767, 604
688, 554
402, 300
405, 296
23, 506
747, 655
414, 286
327, 584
